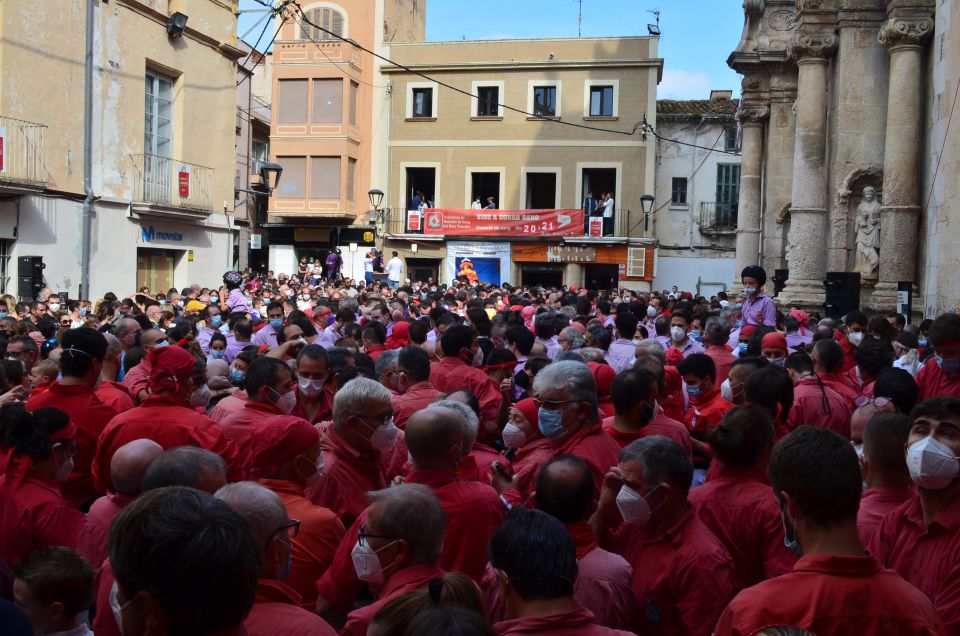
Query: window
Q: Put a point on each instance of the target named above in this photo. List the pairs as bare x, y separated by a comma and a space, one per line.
545, 101
329, 19
636, 261
327, 101
422, 102
730, 138
158, 121
292, 95
601, 101
354, 87
728, 193
260, 152
324, 177
678, 191
488, 102
351, 179
294, 182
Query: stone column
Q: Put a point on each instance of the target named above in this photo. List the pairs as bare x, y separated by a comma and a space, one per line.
806, 242
752, 118
899, 214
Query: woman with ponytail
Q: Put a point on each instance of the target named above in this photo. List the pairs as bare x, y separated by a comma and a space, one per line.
33, 513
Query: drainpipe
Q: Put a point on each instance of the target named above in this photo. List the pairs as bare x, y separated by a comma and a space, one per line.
87, 157
692, 185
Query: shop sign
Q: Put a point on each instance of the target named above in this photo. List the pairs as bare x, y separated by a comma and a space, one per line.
190, 256
183, 181
413, 220
149, 235
623, 269
368, 237
596, 227
503, 222
571, 254
256, 241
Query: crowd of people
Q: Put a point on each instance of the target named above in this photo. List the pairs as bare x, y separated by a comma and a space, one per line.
287, 455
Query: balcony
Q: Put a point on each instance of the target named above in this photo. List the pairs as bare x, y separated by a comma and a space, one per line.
21, 154
317, 52
186, 189
717, 219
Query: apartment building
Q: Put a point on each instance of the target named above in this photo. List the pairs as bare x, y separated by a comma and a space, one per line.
331, 111
530, 126
164, 129
698, 187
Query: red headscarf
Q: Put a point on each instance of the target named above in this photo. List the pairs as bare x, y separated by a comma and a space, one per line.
604, 375
773, 340
674, 356
400, 337
170, 368
528, 313
276, 440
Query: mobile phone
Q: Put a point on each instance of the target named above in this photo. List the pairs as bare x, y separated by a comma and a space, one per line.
502, 471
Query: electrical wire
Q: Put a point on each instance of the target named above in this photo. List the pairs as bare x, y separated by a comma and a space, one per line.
254, 48
278, 13
933, 181
331, 60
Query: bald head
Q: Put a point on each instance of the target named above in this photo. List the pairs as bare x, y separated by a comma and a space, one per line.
187, 466
129, 465
431, 435
150, 337
113, 345
259, 506
565, 489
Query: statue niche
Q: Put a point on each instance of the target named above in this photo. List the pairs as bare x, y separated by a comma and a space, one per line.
867, 223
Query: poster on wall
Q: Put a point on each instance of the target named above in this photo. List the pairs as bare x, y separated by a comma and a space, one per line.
503, 222
489, 261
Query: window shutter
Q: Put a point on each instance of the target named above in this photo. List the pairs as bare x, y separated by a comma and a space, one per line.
636, 262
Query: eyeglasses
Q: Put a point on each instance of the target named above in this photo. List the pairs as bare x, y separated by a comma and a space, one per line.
383, 419
363, 535
19, 355
878, 402
550, 405
291, 529
65, 323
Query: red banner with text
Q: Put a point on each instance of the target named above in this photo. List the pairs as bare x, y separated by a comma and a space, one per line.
503, 222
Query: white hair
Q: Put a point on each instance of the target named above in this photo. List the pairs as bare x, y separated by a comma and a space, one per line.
468, 420
573, 378
256, 504
357, 397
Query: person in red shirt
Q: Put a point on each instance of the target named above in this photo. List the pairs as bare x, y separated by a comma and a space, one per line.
287, 459
535, 561
127, 468
455, 371
732, 389
603, 375
83, 352
270, 387
873, 357
849, 336
373, 337
195, 573
738, 505
532, 449
567, 397
683, 577
772, 389
940, 374
715, 337
884, 470
814, 403
33, 513
113, 393
773, 347
828, 363
652, 357
277, 609
137, 378
166, 417
634, 394
397, 548
356, 448
414, 390
816, 479
919, 538
707, 407
314, 397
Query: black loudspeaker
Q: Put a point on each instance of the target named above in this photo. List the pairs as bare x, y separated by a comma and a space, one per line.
30, 267
29, 288
843, 293
780, 277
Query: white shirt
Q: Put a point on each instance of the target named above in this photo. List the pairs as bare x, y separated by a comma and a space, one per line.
608, 208
475, 205
368, 264
394, 268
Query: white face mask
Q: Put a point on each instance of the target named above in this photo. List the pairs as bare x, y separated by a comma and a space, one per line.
313, 479
367, 563
287, 402
64, 471
651, 311
726, 390
678, 333
855, 338
54, 307
633, 506
310, 388
385, 436
200, 397
933, 466
513, 437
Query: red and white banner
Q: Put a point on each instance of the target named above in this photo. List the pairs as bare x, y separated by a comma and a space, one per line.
183, 182
413, 220
503, 222
596, 227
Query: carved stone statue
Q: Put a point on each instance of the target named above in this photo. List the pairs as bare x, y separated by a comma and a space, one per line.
868, 235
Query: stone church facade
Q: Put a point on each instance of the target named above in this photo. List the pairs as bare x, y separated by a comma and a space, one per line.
849, 152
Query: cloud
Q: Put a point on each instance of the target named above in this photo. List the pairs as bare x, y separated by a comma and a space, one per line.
684, 85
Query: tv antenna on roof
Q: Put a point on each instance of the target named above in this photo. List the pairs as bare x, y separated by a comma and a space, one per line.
654, 29
580, 19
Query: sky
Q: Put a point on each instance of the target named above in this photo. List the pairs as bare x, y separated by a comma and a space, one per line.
696, 35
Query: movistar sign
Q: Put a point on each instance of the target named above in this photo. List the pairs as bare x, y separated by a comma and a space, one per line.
149, 234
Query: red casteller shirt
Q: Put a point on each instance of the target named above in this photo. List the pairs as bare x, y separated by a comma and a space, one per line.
409, 579
671, 399
659, 425
451, 373
529, 460
169, 423
833, 596
576, 622
91, 416
324, 411
92, 543
417, 397
809, 408
722, 359
239, 427
841, 384
33, 516
934, 382
927, 557
137, 379
682, 579
595, 447
277, 611
877, 503
116, 396
743, 514
706, 411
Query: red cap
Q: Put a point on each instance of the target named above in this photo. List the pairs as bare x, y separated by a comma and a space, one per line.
276, 440
604, 376
747, 330
801, 316
674, 356
170, 367
774, 340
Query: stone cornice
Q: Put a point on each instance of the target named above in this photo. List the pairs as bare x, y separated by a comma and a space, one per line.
753, 113
813, 46
906, 32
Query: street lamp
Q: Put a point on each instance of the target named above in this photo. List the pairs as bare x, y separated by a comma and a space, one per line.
268, 170
646, 206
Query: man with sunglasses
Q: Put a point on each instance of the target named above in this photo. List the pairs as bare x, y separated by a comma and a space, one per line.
920, 538
277, 608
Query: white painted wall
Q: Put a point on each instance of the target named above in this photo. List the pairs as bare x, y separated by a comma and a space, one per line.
283, 259
701, 275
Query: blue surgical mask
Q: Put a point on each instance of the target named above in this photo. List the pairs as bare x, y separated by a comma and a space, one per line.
276, 323
216, 321
3, 315
738, 306
749, 291
550, 423
161, 344
922, 342
949, 365
693, 391
236, 377
790, 542
696, 336
216, 355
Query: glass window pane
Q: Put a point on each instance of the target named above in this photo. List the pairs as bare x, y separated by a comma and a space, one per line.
594, 102
327, 101
324, 177
293, 185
